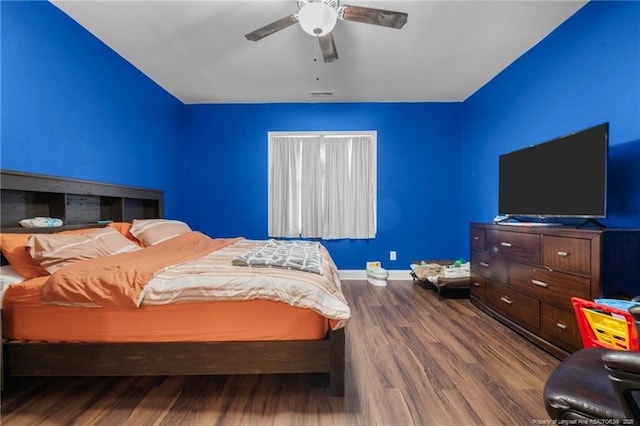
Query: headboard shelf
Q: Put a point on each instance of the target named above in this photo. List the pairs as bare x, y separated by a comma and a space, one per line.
79, 203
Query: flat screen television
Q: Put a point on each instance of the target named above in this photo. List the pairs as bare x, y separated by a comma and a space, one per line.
564, 177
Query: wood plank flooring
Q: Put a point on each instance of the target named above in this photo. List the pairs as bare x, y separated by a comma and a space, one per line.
411, 360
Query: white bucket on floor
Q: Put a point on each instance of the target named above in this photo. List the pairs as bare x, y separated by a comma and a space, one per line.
377, 276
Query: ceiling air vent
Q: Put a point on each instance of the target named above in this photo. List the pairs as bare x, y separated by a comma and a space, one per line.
321, 93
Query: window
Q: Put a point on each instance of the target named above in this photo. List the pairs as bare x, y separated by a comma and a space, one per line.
322, 185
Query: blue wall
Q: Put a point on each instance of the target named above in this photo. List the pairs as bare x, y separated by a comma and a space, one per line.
418, 173
72, 107
584, 73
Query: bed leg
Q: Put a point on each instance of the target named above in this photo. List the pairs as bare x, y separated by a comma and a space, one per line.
336, 362
1, 360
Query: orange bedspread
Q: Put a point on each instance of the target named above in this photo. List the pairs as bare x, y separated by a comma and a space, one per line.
25, 318
118, 281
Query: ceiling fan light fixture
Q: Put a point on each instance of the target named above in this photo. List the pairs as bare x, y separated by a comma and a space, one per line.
317, 18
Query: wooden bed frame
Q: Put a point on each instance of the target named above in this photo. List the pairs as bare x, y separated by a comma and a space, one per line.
85, 204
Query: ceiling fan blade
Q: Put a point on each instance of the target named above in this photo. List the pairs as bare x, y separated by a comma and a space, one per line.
273, 27
368, 15
328, 47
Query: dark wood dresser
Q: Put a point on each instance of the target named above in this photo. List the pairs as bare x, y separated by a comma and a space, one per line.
525, 276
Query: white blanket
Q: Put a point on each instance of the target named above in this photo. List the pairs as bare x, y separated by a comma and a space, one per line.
214, 277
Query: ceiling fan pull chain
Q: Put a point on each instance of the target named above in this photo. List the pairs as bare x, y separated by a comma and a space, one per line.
315, 58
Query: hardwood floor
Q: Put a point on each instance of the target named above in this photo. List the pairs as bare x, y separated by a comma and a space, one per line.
411, 360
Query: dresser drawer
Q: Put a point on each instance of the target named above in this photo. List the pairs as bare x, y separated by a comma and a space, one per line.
523, 309
560, 327
553, 287
477, 286
488, 266
477, 239
517, 246
569, 254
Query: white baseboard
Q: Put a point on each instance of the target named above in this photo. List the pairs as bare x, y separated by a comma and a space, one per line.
361, 274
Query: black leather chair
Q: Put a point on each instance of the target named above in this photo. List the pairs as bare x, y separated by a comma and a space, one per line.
596, 383
624, 373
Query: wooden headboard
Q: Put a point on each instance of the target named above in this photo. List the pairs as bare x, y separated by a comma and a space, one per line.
79, 203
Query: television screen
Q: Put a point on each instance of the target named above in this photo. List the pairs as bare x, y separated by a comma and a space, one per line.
564, 177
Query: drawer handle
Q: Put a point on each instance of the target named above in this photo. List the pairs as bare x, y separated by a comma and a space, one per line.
476, 284
505, 244
506, 300
476, 238
562, 326
539, 283
485, 264
563, 254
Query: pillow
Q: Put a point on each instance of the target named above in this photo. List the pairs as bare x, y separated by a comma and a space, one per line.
154, 231
8, 276
125, 229
14, 249
53, 251
17, 254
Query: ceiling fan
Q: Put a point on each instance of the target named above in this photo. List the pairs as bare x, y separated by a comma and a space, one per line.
318, 17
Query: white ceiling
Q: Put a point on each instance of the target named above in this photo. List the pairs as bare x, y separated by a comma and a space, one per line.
196, 50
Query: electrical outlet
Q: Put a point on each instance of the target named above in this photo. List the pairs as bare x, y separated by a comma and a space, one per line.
392, 255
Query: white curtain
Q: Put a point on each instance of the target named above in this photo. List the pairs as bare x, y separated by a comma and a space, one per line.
362, 189
284, 186
322, 186
312, 189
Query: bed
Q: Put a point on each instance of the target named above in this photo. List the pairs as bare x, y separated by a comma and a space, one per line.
91, 207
